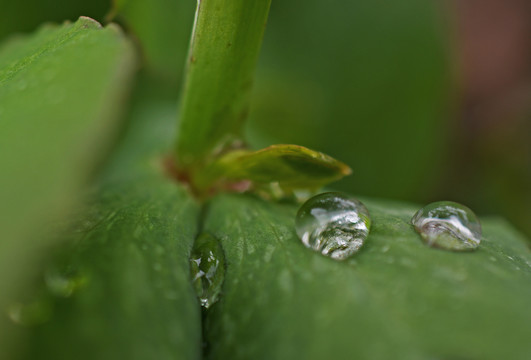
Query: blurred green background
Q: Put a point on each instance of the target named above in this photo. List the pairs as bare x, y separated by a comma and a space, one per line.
424, 100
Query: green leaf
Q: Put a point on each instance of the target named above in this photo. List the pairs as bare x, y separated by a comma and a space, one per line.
291, 166
163, 28
395, 299
132, 245
61, 90
224, 48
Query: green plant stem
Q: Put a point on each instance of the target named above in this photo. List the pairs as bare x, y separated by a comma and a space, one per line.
223, 52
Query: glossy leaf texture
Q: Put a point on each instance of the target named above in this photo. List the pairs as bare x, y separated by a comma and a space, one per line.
292, 167
395, 299
61, 93
132, 245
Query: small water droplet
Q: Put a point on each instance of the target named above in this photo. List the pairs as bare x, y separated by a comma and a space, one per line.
207, 268
448, 225
334, 224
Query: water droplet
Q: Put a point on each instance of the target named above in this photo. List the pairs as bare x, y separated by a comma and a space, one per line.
207, 267
448, 225
334, 224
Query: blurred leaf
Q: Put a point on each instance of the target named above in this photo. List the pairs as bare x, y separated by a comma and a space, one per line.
395, 299
26, 15
163, 28
132, 245
224, 48
291, 166
60, 93
367, 82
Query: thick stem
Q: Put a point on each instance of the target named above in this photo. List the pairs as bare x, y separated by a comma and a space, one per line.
224, 48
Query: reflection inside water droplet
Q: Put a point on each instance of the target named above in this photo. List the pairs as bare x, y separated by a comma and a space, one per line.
448, 225
334, 224
207, 268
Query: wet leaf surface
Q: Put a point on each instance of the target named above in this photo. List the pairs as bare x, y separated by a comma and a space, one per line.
395, 299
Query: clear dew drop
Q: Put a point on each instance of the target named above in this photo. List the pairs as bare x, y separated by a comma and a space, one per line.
334, 224
448, 225
207, 268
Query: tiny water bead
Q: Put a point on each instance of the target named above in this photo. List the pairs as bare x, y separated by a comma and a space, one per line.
448, 225
207, 268
334, 224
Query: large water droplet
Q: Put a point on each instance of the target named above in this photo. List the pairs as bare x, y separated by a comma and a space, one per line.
207, 267
334, 224
448, 225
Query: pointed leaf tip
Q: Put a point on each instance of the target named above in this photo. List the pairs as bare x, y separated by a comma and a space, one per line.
291, 166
